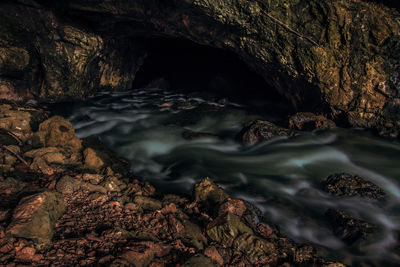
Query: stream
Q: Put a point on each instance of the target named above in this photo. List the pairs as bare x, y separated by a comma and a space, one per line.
282, 176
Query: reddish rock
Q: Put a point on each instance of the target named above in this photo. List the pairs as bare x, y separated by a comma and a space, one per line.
145, 252
234, 206
25, 255
213, 253
170, 208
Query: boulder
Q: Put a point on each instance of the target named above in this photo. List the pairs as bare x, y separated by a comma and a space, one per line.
92, 159
259, 130
307, 121
58, 132
344, 184
209, 193
35, 216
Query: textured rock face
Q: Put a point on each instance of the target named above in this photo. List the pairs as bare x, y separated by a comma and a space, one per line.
339, 57
46, 58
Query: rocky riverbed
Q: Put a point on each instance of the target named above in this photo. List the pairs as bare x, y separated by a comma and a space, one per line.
67, 201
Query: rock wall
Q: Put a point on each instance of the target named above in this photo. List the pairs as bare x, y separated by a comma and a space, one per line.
45, 58
341, 57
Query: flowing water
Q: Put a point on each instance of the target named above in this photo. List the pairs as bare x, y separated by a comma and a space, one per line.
282, 177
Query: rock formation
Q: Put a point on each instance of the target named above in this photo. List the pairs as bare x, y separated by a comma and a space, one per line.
340, 58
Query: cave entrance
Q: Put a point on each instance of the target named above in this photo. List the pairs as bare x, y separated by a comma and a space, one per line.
188, 67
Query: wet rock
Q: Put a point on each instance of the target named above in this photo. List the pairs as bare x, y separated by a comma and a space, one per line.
199, 260
258, 130
307, 121
145, 253
69, 185
209, 193
35, 215
345, 184
348, 228
57, 132
92, 159
115, 164
225, 229
147, 203
389, 129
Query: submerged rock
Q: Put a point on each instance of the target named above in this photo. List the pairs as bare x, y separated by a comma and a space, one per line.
345, 184
348, 228
307, 121
35, 216
258, 130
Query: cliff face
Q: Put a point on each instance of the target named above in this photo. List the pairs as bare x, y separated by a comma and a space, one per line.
339, 57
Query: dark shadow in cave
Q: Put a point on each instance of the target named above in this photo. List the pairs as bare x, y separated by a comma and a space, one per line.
189, 67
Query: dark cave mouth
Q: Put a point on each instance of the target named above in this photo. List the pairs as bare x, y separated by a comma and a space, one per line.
187, 67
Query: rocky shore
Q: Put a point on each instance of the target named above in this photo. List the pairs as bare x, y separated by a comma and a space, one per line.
68, 202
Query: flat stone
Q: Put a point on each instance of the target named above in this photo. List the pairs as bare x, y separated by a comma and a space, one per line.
69, 185
226, 228
147, 203
35, 215
259, 130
